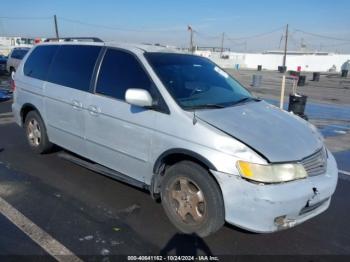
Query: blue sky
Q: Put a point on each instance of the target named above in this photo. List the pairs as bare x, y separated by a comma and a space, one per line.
165, 21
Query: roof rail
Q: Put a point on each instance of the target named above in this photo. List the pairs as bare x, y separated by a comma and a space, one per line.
72, 39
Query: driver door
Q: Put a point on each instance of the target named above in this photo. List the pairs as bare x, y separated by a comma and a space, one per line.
119, 135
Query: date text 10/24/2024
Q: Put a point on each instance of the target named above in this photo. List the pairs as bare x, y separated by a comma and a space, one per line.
173, 258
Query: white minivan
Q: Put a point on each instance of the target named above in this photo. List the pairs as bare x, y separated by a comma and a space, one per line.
179, 126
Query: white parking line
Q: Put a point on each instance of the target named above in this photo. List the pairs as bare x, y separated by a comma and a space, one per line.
38, 235
344, 172
6, 118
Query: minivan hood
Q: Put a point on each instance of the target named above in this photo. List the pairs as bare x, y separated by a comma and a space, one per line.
274, 133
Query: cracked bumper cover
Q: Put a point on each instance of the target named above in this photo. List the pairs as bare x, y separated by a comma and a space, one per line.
257, 208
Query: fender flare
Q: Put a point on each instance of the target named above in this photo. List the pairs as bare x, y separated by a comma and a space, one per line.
186, 152
31, 106
159, 167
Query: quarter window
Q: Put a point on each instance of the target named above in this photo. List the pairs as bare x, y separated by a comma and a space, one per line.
119, 72
73, 66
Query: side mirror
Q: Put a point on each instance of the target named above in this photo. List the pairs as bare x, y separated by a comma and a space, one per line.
138, 97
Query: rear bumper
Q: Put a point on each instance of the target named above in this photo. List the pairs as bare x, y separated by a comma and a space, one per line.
269, 208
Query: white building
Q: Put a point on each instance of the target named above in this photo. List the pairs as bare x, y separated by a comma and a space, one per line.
308, 61
7, 43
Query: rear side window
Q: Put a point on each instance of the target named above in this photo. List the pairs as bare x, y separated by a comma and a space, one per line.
119, 72
73, 66
19, 53
39, 60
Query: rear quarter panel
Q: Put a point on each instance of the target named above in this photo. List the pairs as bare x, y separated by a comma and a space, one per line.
28, 91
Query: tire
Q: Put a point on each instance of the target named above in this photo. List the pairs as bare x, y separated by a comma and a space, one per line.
192, 199
36, 133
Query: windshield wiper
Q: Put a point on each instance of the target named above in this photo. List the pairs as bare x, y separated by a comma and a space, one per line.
246, 99
204, 106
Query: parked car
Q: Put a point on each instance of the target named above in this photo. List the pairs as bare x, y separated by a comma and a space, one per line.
5, 95
15, 57
3, 61
181, 127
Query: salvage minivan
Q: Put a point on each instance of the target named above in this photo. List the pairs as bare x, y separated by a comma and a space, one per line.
179, 126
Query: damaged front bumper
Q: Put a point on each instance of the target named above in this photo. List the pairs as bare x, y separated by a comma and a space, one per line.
264, 208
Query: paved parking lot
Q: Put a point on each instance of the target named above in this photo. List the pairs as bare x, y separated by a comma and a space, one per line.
93, 217
331, 89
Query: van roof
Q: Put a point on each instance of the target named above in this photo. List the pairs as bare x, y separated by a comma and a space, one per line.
144, 48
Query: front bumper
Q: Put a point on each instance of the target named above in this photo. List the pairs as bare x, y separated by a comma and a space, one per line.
272, 207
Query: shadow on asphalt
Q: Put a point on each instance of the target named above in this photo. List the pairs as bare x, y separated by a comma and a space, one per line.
189, 245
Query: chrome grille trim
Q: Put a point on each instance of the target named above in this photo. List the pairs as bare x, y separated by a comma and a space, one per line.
316, 164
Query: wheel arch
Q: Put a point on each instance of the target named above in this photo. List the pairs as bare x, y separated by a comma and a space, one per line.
171, 157
178, 154
26, 108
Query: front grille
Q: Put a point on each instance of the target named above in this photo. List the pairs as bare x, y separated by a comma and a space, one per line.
316, 164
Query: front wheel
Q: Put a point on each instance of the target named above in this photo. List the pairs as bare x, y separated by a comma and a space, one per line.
192, 199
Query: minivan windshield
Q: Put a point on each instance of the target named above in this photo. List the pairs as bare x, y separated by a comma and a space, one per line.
196, 82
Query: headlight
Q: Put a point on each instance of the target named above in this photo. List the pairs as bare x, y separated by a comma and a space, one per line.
274, 173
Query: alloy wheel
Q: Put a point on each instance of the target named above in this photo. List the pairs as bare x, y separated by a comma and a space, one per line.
187, 200
34, 133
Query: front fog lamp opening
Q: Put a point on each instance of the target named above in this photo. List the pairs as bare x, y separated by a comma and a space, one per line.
271, 173
282, 222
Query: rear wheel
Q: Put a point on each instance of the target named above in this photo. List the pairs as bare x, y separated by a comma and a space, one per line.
36, 133
192, 199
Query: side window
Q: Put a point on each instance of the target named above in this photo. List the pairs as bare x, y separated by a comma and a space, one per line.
119, 72
38, 62
14, 53
22, 53
73, 66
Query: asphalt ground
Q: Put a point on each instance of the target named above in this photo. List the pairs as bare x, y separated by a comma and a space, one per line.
97, 218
